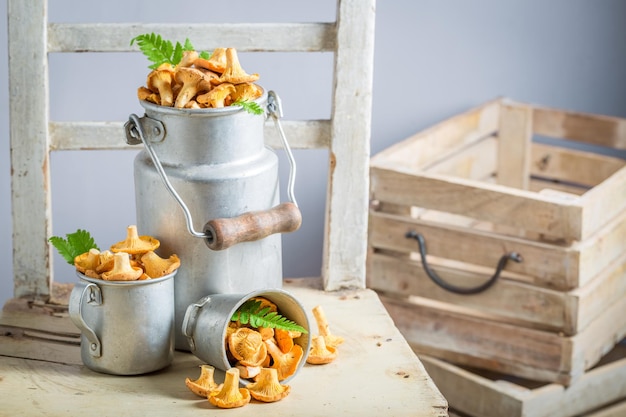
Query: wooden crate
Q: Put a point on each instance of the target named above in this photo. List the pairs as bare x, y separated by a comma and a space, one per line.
486, 183
475, 393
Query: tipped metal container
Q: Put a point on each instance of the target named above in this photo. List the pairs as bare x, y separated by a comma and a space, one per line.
206, 321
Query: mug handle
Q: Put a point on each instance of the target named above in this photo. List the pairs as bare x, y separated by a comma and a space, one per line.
94, 297
189, 321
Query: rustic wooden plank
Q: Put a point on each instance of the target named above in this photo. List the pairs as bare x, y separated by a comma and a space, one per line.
616, 410
522, 304
572, 166
345, 238
271, 37
309, 134
481, 394
428, 147
472, 393
583, 127
530, 305
544, 264
603, 202
474, 162
30, 164
373, 350
481, 201
592, 298
446, 332
601, 248
514, 145
17, 343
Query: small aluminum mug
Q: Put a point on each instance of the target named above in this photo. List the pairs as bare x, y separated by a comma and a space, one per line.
127, 327
206, 321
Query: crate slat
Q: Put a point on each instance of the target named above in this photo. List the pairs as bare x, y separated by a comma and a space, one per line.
433, 144
514, 145
488, 395
445, 332
594, 129
482, 201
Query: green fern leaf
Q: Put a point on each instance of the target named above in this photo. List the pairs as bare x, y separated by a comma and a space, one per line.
250, 313
251, 107
73, 245
160, 51
188, 46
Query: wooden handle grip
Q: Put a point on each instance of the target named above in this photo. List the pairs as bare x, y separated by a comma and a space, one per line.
251, 226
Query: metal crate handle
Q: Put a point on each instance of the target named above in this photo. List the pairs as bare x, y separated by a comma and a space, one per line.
421, 242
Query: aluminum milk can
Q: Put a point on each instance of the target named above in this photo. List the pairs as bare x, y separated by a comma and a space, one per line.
211, 167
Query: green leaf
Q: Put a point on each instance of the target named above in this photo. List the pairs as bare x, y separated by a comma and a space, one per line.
158, 50
177, 55
250, 313
205, 55
251, 107
188, 46
73, 245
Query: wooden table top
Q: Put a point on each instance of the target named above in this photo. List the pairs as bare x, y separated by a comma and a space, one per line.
376, 372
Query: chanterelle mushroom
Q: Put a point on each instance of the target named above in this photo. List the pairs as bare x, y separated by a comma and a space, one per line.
246, 92
193, 81
216, 63
145, 94
230, 396
156, 267
217, 96
248, 372
284, 340
106, 262
122, 270
135, 244
322, 326
87, 261
246, 345
205, 383
233, 73
160, 80
188, 58
267, 388
285, 364
320, 353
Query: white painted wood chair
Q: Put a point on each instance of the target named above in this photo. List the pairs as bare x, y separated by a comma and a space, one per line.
374, 352
346, 134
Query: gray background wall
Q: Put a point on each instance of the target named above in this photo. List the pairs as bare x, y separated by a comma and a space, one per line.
433, 58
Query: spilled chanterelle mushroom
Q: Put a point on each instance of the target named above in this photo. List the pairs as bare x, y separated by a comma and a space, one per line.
323, 328
267, 388
205, 384
230, 395
320, 353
